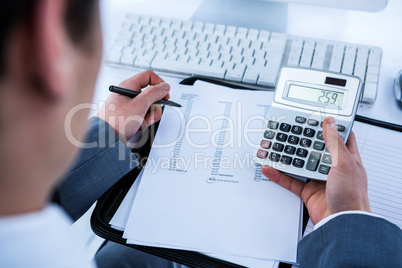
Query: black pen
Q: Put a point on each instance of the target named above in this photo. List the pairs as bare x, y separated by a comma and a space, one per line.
133, 94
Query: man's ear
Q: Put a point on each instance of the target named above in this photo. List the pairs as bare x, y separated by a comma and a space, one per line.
51, 48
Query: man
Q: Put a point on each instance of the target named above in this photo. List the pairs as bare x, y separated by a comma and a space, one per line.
50, 56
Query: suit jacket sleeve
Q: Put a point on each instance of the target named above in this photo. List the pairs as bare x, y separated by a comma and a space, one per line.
352, 240
100, 164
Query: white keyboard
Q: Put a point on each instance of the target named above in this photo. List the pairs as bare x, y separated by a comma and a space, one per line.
237, 55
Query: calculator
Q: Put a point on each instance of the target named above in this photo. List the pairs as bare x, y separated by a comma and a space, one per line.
292, 141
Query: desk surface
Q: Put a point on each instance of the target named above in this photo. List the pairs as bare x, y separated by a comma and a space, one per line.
380, 29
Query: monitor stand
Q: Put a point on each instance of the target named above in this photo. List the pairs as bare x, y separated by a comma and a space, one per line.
262, 15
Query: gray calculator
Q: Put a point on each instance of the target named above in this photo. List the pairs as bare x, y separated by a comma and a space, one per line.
293, 140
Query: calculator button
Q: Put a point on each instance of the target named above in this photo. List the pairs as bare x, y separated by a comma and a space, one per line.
340, 128
293, 139
285, 127
312, 122
327, 159
323, 169
300, 119
274, 157
268, 134
297, 130
265, 144
320, 136
318, 145
272, 124
290, 149
309, 132
305, 142
262, 154
301, 152
277, 147
281, 137
287, 160
298, 163
313, 161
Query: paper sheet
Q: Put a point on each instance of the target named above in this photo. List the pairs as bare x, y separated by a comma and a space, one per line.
380, 150
120, 217
202, 191
119, 222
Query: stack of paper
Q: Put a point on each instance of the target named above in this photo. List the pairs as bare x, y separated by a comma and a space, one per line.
200, 189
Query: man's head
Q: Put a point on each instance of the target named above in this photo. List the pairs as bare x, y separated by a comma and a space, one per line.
50, 53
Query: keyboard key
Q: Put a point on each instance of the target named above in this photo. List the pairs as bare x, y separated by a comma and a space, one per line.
320, 136
237, 73
369, 93
265, 144
312, 122
262, 154
327, 159
274, 157
299, 163
290, 149
313, 161
300, 119
318, 145
293, 139
278, 147
305, 142
267, 79
301, 152
323, 169
281, 137
285, 127
287, 160
297, 130
268, 134
250, 76
272, 124
309, 132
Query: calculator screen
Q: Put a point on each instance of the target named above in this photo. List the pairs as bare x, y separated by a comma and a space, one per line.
315, 95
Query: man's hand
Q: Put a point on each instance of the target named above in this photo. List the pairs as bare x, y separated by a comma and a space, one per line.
127, 115
346, 186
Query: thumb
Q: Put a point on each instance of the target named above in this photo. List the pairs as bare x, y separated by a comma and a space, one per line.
153, 93
333, 140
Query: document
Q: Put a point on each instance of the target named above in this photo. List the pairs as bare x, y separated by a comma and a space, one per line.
380, 150
201, 189
119, 222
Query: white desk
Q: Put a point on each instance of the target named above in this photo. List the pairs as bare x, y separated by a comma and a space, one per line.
380, 29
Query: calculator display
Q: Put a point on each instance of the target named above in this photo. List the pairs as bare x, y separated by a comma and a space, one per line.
315, 95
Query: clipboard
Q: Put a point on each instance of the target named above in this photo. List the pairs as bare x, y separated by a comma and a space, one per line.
110, 201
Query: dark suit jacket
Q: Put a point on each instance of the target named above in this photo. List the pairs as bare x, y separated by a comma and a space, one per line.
352, 240
98, 166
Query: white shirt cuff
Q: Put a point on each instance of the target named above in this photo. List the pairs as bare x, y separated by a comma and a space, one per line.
330, 217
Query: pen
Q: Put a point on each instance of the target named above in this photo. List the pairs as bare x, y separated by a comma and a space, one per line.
133, 94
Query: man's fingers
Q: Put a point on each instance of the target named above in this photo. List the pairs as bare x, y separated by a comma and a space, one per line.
152, 94
333, 141
293, 185
154, 115
141, 80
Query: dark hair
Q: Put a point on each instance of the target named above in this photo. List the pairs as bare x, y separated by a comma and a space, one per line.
12, 12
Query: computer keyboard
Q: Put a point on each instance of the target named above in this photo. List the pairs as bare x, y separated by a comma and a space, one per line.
247, 57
